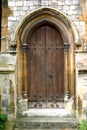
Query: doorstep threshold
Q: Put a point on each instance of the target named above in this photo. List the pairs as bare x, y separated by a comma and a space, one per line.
47, 112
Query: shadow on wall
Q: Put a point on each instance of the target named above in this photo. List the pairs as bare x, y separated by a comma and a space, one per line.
11, 92
79, 106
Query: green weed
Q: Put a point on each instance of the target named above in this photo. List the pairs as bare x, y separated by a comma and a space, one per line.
83, 125
3, 120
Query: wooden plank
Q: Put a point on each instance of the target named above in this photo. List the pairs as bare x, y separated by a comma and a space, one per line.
46, 67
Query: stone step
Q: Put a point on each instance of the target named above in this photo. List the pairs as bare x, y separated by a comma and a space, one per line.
47, 112
44, 123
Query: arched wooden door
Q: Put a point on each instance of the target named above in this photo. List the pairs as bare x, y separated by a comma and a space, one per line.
46, 68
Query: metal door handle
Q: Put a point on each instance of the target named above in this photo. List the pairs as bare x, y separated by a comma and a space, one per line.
50, 74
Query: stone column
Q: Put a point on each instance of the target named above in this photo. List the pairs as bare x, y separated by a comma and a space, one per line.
66, 69
22, 58
24, 49
20, 70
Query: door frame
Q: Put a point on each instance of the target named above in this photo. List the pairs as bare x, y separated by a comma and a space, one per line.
69, 35
42, 37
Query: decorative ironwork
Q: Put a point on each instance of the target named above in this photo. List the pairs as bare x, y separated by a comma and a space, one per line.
36, 48
40, 48
36, 101
53, 101
55, 98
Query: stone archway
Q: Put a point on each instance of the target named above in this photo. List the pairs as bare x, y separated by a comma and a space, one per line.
69, 35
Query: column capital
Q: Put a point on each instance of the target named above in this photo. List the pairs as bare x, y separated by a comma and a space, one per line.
24, 47
66, 46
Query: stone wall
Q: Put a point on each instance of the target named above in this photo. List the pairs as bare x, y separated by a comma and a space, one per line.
17, 10
83, 17
81, 83
5, 33
22, 8
8, 85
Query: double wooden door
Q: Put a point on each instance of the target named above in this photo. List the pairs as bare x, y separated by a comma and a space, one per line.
46, 68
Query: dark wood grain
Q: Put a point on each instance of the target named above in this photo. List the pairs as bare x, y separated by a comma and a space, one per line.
46, 68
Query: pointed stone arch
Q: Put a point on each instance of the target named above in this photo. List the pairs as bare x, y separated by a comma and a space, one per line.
69, 35
54, 16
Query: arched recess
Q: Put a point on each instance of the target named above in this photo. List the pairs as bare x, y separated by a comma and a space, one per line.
69, 35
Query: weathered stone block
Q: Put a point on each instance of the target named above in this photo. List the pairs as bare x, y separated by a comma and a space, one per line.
15, 8
77, 11
11, 3
19, 8
30, 3
85, 96
22, 13
12, 18
72, 7
18, 18
36, 2
4, 90
14, 25
73, 17
25, 8
82, 23
68, 2
32, 8
70, 12
65, 7
44, 2
81, 29
64, 11
60, 2
16, 13
77, 23
53, 2
4, 103
10, 23
85, 110
60, 7
22, 105
76, 2
19, 3
25, 3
